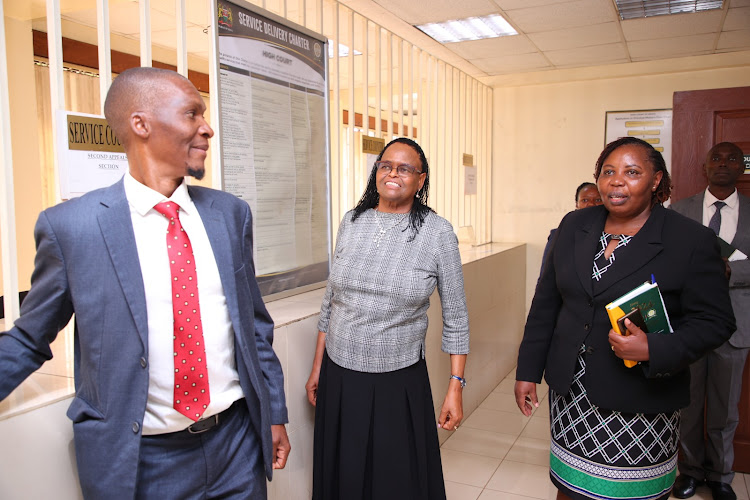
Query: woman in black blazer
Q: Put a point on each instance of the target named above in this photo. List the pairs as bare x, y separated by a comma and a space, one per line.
614, 429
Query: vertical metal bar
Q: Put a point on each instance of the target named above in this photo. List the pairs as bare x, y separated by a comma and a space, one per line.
181, 22
336, 139
488, 136
379, 83
217, 179
366, 81
105, 61
410, 100
389, 58
320, 13
56, 85
352, 115
145, 15
7, 206
400, 76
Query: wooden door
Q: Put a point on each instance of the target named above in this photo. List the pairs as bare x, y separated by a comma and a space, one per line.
700, 119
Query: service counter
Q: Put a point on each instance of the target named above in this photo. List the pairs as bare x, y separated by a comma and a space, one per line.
38, 459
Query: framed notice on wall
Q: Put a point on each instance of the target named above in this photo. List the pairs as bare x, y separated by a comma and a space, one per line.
653, 126
273, 102
89, 154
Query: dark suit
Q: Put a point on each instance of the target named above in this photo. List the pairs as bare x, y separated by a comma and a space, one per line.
566, 313
87, 264
717, 377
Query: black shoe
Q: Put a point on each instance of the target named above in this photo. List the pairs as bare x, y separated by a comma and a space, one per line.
721, 491
684, 486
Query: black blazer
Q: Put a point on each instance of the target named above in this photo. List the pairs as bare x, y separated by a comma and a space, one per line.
565, 313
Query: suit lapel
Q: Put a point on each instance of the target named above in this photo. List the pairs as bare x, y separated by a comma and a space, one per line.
644, 246
586, 241
221, 245
694, 208
741, 238
117, 229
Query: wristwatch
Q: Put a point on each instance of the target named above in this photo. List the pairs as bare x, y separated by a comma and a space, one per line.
460, 379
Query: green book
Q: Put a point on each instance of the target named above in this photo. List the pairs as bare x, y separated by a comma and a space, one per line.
648, 300
646, 297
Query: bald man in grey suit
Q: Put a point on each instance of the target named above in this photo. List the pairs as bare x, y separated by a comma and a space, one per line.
716, 379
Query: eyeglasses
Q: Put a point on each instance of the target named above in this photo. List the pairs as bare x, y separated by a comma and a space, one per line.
402, 170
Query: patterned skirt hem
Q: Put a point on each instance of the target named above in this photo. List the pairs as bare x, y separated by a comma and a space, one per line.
586, 479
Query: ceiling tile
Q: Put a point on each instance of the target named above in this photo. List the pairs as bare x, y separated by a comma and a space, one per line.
511, 64
588, 56
737, 19
737, 40
520, 4
583, 36
562, 15
672, 26
430, 11
644, 50
492, 47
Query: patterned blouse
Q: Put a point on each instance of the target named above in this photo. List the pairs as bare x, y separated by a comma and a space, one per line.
374, 311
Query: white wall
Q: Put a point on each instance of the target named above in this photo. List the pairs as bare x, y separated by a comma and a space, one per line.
548, 135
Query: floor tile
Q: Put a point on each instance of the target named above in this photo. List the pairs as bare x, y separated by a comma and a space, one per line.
537, 428
467, 468
500, 402
479, 442
522, 479
543, 408
530, 451
505, 387
458, 491
502, 495
740, 486
497, 421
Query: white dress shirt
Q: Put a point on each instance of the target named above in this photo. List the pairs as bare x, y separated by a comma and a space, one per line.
730, 214
150, 229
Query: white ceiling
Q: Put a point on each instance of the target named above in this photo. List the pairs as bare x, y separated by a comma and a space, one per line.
553, 34
556, 34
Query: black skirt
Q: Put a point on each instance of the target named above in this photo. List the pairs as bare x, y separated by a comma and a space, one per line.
376, 436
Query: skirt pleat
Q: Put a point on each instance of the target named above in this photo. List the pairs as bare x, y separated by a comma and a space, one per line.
376, 436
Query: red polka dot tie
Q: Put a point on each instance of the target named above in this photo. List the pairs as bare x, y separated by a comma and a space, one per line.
191, 394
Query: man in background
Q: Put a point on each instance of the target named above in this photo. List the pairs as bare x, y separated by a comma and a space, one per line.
716, 379
178, 391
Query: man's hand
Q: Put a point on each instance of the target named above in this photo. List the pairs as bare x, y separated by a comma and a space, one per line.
281, 446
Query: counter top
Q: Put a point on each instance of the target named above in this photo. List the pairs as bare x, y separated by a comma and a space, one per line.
54, 380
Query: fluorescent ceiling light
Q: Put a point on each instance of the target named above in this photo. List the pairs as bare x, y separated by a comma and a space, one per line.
633, 9
472, 28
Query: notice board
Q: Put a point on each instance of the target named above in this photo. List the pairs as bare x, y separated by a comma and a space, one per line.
273, 119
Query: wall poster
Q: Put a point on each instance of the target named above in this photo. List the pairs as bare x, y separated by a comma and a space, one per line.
88, 153
273, 101
652, 125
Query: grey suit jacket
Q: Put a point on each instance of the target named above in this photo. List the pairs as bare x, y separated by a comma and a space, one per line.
739, 283
87, 264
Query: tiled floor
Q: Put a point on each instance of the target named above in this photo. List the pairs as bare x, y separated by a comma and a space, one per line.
498, 454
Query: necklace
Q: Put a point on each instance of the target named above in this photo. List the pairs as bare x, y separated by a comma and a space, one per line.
382, 230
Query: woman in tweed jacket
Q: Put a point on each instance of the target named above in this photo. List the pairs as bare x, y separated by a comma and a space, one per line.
375, 432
